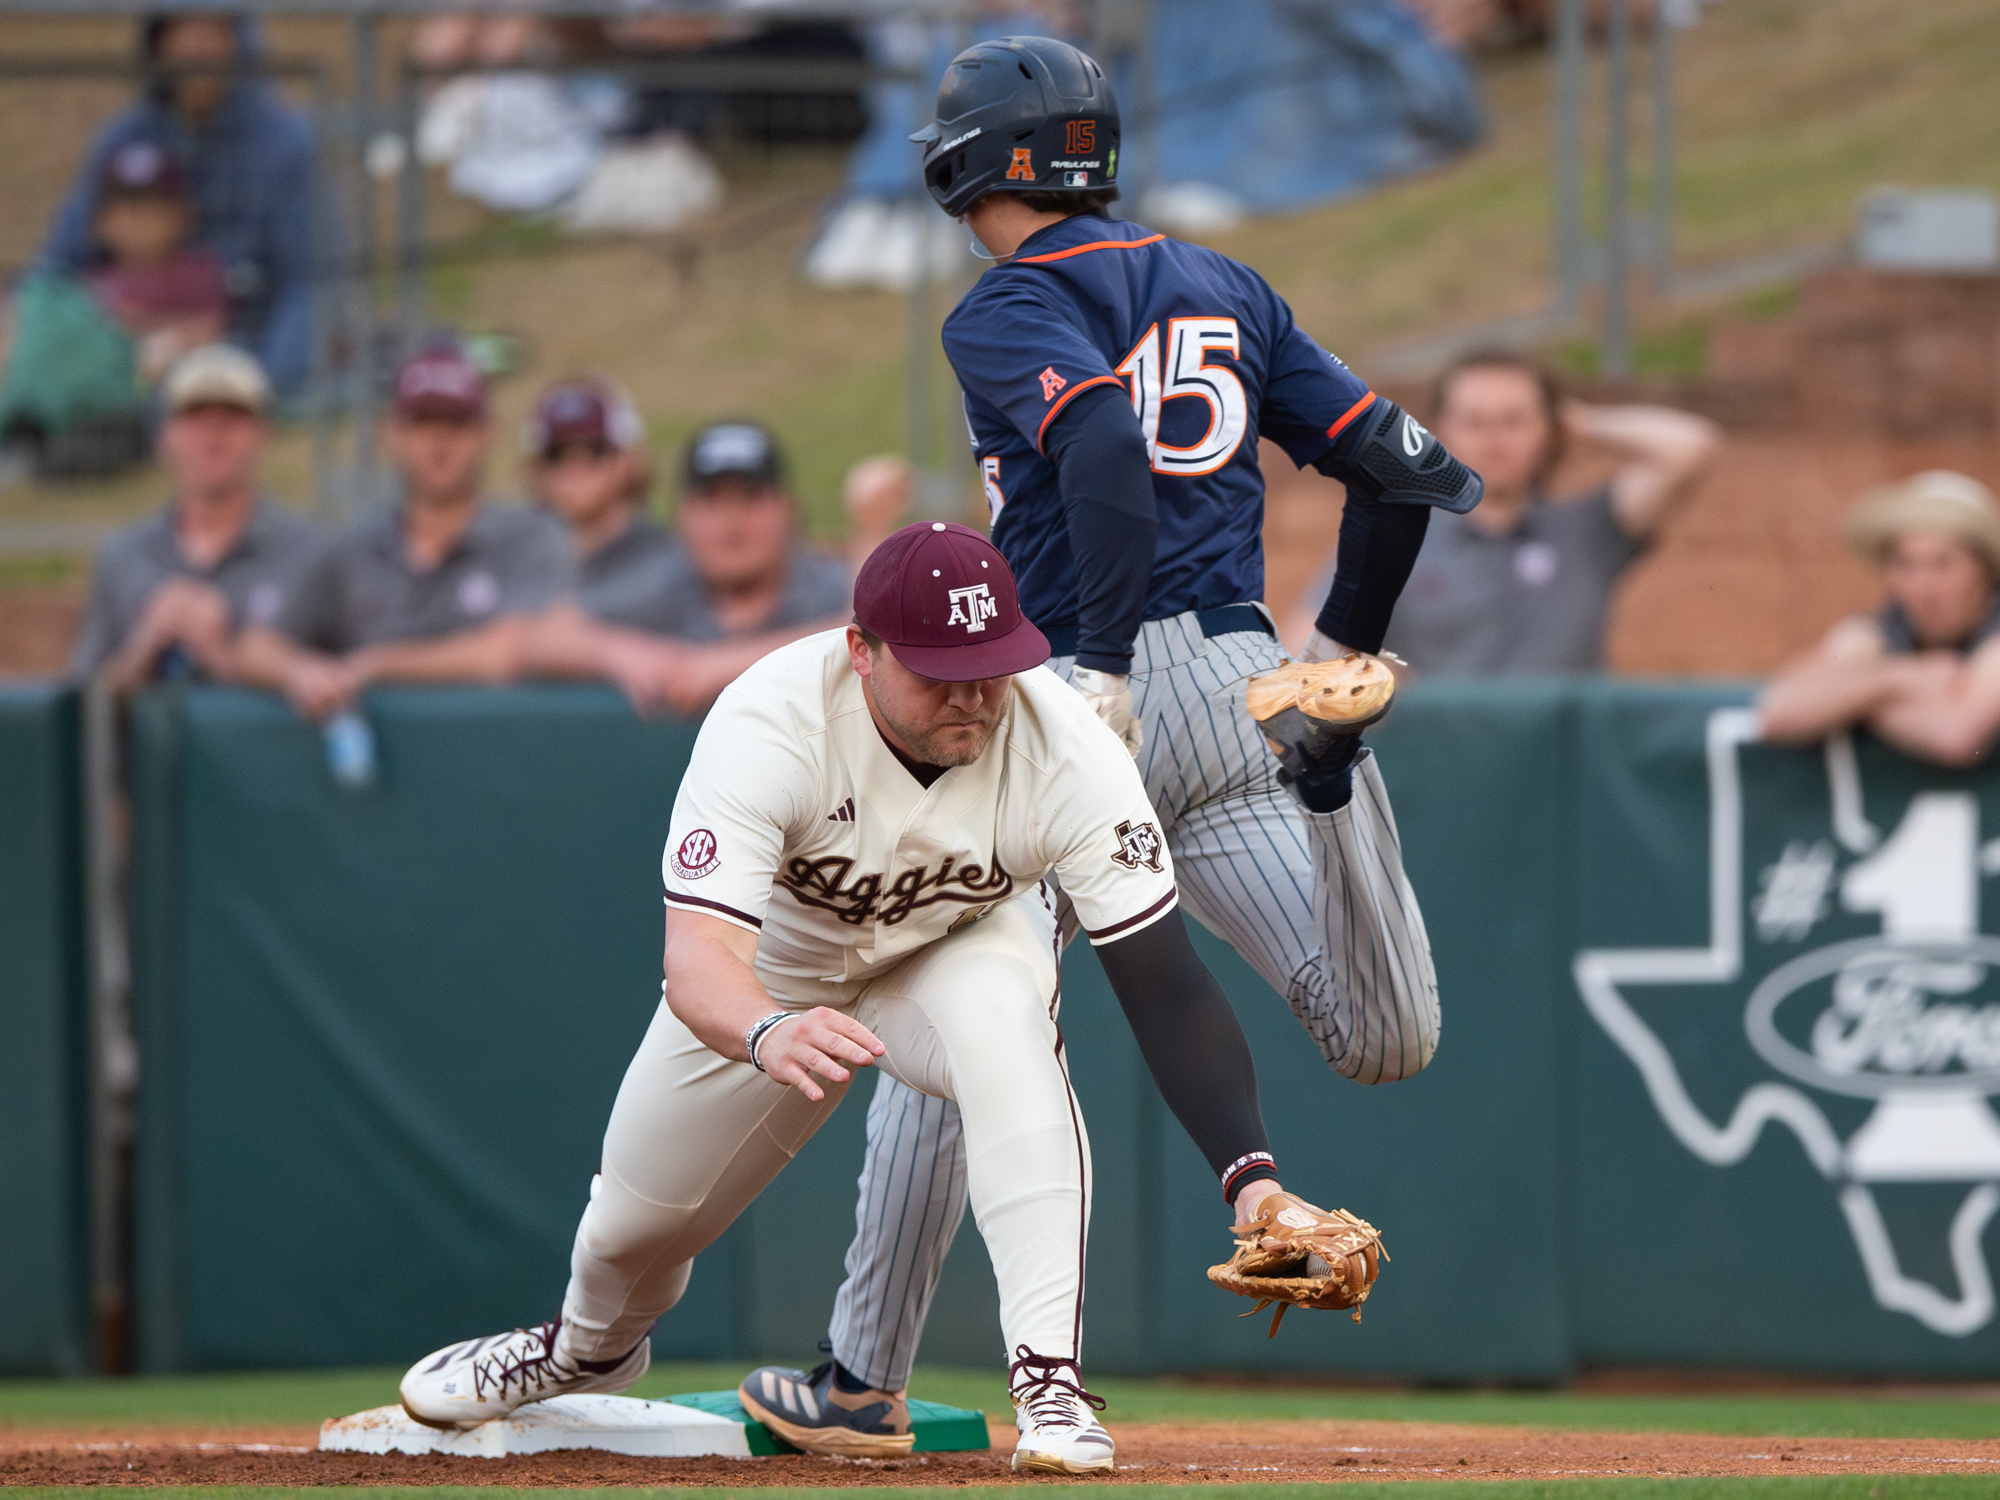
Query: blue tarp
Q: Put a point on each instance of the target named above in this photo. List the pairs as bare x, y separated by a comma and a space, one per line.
1279, 103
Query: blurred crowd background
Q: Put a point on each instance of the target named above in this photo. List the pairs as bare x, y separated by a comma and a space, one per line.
617, 234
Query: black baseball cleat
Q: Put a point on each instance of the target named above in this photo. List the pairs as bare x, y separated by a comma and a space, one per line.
810, 1411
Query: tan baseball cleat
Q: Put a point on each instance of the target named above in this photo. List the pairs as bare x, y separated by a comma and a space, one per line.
810, 1411
1305, 708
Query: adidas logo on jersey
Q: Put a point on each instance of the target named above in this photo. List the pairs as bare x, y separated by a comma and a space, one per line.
843, 813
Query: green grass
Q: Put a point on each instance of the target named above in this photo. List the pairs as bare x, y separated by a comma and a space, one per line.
1850, 1487
39, 570
1676, 352
296, 1398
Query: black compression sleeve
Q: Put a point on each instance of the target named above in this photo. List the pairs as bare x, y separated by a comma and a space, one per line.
1197, 1052
1107, 492
1378, 547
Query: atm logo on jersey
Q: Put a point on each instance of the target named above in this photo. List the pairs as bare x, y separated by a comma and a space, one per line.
972, 607
1138, 845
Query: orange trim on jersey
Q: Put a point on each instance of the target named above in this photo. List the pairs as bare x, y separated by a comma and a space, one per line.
1070, 395
1352, 412
1036, 260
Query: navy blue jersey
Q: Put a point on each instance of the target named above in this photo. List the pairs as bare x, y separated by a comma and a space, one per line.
1211, 360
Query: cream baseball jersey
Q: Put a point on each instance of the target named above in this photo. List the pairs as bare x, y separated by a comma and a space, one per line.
795, 820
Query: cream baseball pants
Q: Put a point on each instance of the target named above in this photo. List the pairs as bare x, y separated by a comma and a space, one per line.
694, 1137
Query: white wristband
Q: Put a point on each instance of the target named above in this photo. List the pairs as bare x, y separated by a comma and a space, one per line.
762, 1029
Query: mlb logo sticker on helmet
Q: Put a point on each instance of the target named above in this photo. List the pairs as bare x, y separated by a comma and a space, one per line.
697, 856
1076, 179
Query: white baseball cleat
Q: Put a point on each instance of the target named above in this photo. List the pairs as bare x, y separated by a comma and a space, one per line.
481, 1379
1057, 1417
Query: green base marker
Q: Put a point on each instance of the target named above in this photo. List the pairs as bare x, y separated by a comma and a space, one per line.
939, 1428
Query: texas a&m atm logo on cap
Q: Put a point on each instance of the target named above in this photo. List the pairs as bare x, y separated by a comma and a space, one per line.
972, 607
697, 856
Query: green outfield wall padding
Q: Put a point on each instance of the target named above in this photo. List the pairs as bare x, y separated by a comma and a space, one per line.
1712, 1088
1783, 1152
44, 1036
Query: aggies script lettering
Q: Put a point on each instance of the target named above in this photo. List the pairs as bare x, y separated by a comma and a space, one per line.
824, 883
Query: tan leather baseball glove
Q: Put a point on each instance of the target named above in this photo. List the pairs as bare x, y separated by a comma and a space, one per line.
1296, 1255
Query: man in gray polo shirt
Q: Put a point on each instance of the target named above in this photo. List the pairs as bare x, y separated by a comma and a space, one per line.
167, 593
1524, 583
439, 565
740, 569
673, 621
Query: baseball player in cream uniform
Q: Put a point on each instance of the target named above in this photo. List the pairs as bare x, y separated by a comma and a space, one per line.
854, 877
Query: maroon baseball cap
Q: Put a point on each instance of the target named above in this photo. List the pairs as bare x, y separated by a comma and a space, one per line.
440, 383
143, 168
585, 410
942, 599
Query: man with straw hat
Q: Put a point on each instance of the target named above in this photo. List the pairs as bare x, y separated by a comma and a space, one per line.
1924, 672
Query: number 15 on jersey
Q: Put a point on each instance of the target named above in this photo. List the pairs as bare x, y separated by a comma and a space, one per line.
1186, 373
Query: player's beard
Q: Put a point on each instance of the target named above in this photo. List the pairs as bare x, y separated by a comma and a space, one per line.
956, 738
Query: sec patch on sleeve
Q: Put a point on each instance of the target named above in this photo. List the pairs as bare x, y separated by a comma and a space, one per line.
697, 856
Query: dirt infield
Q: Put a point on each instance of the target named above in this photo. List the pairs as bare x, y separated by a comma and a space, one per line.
1192, 1453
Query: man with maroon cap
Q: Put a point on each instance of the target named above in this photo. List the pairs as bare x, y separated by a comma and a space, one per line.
854, 878
673, 620
405, 594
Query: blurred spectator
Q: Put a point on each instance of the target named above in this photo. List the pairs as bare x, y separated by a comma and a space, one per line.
162, 288
398, 595
84, 348
166, 593
1523, 583
672, 622
876, 494
744, 569
517, 139
587, 463
1923, 672
250, 159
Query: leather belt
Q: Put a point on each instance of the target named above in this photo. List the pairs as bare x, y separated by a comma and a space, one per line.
1224, 619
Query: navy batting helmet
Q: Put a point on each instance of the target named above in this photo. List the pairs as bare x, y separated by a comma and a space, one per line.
1025, 114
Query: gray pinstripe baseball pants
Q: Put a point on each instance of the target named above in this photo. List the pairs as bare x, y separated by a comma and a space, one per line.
1317, 903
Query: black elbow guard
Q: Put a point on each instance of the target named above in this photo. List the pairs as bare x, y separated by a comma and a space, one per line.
1396, 460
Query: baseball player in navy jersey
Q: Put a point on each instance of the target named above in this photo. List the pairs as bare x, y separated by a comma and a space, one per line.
1116, 384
